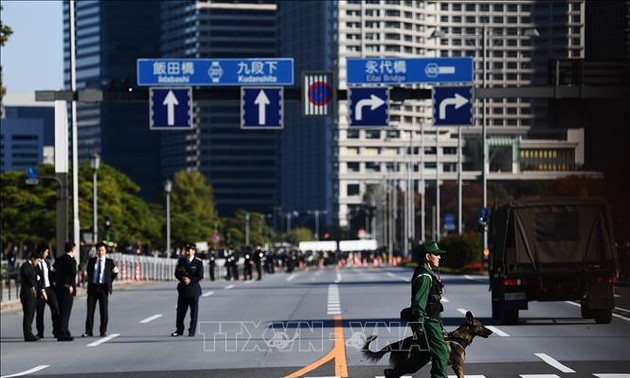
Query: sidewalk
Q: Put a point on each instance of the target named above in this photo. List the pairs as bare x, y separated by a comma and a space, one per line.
14, 304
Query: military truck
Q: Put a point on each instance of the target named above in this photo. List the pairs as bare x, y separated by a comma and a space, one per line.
554, 249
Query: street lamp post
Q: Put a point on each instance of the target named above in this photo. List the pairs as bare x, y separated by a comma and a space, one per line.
317, 213
95, 163
437, 34
246, 229
168, 186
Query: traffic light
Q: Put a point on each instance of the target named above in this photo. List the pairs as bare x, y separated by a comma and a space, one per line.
108, 224
482, 218
327, 235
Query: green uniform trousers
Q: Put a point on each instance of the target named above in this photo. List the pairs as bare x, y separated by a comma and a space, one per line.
438, 351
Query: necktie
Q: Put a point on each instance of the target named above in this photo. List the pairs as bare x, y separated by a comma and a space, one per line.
98, 271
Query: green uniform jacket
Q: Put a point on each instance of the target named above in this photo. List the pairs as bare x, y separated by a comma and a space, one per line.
420, 288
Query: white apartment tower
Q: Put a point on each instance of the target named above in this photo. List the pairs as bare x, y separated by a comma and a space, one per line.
520, 37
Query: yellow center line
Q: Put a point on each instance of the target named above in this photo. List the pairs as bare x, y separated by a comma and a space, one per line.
338, 353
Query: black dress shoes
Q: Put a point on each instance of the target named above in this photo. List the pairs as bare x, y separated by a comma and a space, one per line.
40, 336
177, 333
87, 334
31, 338
103, 334
65, 338
191, 334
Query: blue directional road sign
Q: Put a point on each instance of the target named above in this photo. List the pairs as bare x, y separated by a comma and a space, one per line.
449, 222
32, 176
261, 108
409, 70
369, 107
216, 72
452, 106
170, 108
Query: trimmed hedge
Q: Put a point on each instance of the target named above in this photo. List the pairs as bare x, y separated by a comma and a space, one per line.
461, 250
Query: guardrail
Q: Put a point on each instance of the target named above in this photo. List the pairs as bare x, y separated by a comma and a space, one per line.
149, 268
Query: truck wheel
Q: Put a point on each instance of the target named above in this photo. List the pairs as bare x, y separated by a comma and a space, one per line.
602, 316
509, 316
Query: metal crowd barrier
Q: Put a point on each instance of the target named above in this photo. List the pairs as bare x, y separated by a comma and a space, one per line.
141, 268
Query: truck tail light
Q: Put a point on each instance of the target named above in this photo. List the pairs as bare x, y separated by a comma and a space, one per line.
606, 280
511, 282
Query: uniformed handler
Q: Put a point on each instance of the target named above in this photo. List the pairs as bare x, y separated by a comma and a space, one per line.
189, 272
426, 295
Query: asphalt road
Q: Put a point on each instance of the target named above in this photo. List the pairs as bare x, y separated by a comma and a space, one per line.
311, 324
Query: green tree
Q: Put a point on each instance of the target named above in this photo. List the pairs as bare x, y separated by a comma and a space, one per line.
5, 32
27, 212
193, 212
297, 235
259, 232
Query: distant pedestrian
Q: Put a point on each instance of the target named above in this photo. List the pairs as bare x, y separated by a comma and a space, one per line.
66, 288
28, 294
47, 294
189, 272
247, 266
212, 264
259, 257
101, 273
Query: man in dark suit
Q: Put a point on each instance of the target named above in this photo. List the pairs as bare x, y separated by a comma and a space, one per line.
66, 288
47, 294
28, 294
101, 273
189, 272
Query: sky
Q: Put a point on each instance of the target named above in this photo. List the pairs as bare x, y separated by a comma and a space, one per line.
32, 58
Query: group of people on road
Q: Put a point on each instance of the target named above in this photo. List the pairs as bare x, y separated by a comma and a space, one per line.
55, 285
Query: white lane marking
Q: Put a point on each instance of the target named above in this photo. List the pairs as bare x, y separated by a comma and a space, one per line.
621, 375
614, 315
404, 376
445, 300
498, 331
207, 294
103, 340
228, 287
249, 282
462, 310
338, 278
468, 376
25, 372
150, 318
549, 360
474, 278
540, 376
333, 306
292, 276
397, 277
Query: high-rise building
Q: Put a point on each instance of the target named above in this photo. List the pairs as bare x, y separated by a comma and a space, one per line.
27, 130
241, 165
520, 38
110, 37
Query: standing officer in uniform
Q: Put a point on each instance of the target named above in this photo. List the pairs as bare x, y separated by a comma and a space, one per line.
28, 294
212, 264
101, 272
189, 272
247, 266
66, 288
47, 294
426, 294
259, 256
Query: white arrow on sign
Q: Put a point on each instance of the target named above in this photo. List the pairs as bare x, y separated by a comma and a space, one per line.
458, 101
262, 101
373, 102
170, 101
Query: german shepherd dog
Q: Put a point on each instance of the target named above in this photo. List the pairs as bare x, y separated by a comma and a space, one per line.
457, 341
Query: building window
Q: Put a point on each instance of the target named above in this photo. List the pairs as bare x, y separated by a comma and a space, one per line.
353, 166
372, 167
373, 134
352, 134
353, 189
